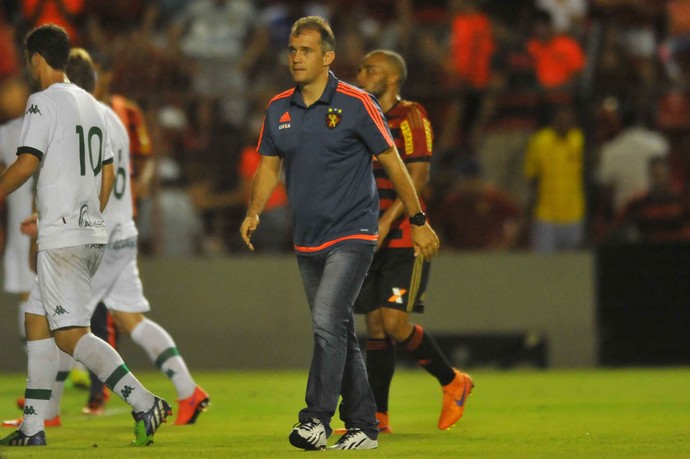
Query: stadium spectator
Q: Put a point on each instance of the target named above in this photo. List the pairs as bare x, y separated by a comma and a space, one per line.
68, 14
509, 115
13, 92
474, 215
657, 215
623, 169
217, 36
636, 25
568, 15
468, 68
558, 58
554, 168
274, 233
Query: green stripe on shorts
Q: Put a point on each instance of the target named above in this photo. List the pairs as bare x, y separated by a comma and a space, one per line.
165, 355
116, 376
61, 376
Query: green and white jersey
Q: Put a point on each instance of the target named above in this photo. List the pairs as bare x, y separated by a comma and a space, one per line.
65, 127
119, 213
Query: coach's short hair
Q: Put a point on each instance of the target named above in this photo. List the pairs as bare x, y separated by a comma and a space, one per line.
80, 70
51, 42
319, 25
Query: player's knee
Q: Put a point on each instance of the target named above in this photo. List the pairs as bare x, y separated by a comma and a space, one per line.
396, 326
66, 339
126, 321
374, 321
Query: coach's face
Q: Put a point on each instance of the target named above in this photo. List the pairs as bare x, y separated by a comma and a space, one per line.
306, 60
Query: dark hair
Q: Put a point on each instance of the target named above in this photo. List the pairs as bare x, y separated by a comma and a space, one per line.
80, 69
51, 42
317, 24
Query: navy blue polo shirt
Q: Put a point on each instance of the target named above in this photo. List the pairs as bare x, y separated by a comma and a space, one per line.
327, 153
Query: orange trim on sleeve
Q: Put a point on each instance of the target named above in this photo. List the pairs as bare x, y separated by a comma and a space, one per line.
370, 108
282, 95
364, 237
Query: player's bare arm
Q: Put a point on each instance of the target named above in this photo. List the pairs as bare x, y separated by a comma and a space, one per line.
19, 172
425, 239
106, 184
265, 180
419, 173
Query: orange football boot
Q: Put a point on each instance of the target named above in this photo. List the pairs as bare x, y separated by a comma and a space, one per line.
455, 396
384, 424
54, 422
190, 408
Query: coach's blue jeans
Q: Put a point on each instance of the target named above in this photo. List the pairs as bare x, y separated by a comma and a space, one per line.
332, 281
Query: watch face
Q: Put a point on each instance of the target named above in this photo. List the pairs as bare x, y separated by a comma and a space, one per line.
418, 219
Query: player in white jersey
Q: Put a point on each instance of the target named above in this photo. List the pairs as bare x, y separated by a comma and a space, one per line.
65, 136
117, 283
18, 275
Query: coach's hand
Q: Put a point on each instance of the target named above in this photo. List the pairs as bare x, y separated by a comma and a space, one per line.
249, 225
425, 241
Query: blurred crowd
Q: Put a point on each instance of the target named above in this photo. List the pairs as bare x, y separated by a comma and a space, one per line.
559, 124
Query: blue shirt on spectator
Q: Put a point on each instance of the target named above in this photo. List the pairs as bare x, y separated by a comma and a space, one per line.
327, 152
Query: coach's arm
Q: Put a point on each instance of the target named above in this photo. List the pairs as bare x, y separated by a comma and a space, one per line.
265, 180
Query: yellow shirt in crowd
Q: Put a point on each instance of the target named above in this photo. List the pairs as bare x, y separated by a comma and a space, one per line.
556, 162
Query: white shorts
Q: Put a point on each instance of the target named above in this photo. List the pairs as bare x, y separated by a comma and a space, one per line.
117, 282
63, 291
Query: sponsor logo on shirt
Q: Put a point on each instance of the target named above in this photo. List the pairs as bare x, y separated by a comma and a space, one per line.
284, 121
84, 222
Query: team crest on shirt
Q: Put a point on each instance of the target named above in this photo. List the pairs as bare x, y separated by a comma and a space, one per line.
333, 117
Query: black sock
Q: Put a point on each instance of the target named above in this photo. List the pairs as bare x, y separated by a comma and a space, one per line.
380, 361
423, 348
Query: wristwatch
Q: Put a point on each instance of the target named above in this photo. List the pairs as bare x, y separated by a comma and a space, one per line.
418, 219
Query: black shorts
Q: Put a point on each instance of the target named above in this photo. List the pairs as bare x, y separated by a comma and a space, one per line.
396, 279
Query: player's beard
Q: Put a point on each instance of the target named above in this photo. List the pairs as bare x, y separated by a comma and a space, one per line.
34, 84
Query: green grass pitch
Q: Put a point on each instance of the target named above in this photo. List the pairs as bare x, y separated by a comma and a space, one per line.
632, 413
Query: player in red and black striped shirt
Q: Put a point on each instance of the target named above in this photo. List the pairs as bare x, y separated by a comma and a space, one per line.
395, 284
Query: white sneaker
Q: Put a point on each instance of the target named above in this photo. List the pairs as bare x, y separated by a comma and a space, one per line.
355, 439
309, 435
